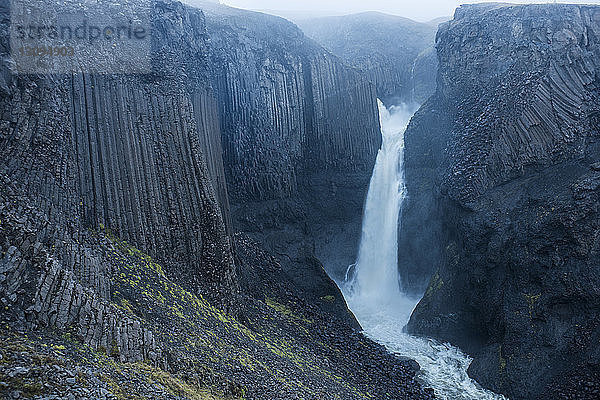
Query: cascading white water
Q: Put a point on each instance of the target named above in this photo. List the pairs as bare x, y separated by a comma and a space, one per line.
372, 287
374, 273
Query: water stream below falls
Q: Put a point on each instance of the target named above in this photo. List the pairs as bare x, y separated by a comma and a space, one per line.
372, 286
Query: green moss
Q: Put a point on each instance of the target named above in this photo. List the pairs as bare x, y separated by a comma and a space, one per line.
287, 312
531, 301
32, 389
114, 349
435, 284
203, 335
174, 385
501, 361
116, 376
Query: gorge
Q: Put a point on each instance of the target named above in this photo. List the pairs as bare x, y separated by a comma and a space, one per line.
345, 207
372, 285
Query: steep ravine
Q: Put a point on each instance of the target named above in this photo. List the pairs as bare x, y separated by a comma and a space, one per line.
395, 53
502, 176
372, 288
397, 56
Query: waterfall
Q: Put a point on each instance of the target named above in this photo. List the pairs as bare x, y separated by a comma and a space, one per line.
372, 285
374, 277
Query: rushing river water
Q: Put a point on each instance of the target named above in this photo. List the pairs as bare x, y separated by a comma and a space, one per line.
372, 287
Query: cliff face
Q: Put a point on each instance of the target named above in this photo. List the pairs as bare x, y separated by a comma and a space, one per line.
138, 154
118, 261
395, 53
300, 136
505, 157
285, 103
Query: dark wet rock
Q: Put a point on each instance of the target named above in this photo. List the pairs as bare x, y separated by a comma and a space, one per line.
504, 200
92, 149
300, 136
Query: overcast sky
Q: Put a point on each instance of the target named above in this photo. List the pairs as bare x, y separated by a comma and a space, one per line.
420, 10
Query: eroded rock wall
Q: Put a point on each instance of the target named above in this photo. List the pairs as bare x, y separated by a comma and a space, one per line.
285, 106
515, 190
139, 154
300, 136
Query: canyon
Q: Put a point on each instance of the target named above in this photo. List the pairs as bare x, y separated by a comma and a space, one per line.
138, 212
188, 232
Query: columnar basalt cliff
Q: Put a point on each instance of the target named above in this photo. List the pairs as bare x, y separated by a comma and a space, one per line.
300, 136
138, 154
83, 153
120, 274
395, 53
505, 157
285, 104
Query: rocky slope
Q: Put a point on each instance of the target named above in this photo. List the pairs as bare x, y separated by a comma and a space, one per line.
120, 275
396, 53
503, 173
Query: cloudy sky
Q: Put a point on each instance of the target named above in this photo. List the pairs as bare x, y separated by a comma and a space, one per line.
421, 10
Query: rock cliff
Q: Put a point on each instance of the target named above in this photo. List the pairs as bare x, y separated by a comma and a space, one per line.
138, 154
502, 172
300, 136
395, 53
120, 273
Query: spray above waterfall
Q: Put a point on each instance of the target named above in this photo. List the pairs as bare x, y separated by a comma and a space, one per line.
372, 287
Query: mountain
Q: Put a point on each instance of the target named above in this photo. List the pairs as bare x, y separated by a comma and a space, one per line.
395, 53
502, 174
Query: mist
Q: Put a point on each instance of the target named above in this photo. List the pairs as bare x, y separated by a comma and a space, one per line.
424, 10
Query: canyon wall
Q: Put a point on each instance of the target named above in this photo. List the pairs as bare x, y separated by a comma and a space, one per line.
139, 154
134, 156
503, 176
288, 130
395, 53
300, 136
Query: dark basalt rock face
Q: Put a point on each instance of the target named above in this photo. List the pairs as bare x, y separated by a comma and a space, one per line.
505, 157
300, 136
139, 154
420, 235
396, 53
120, 274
